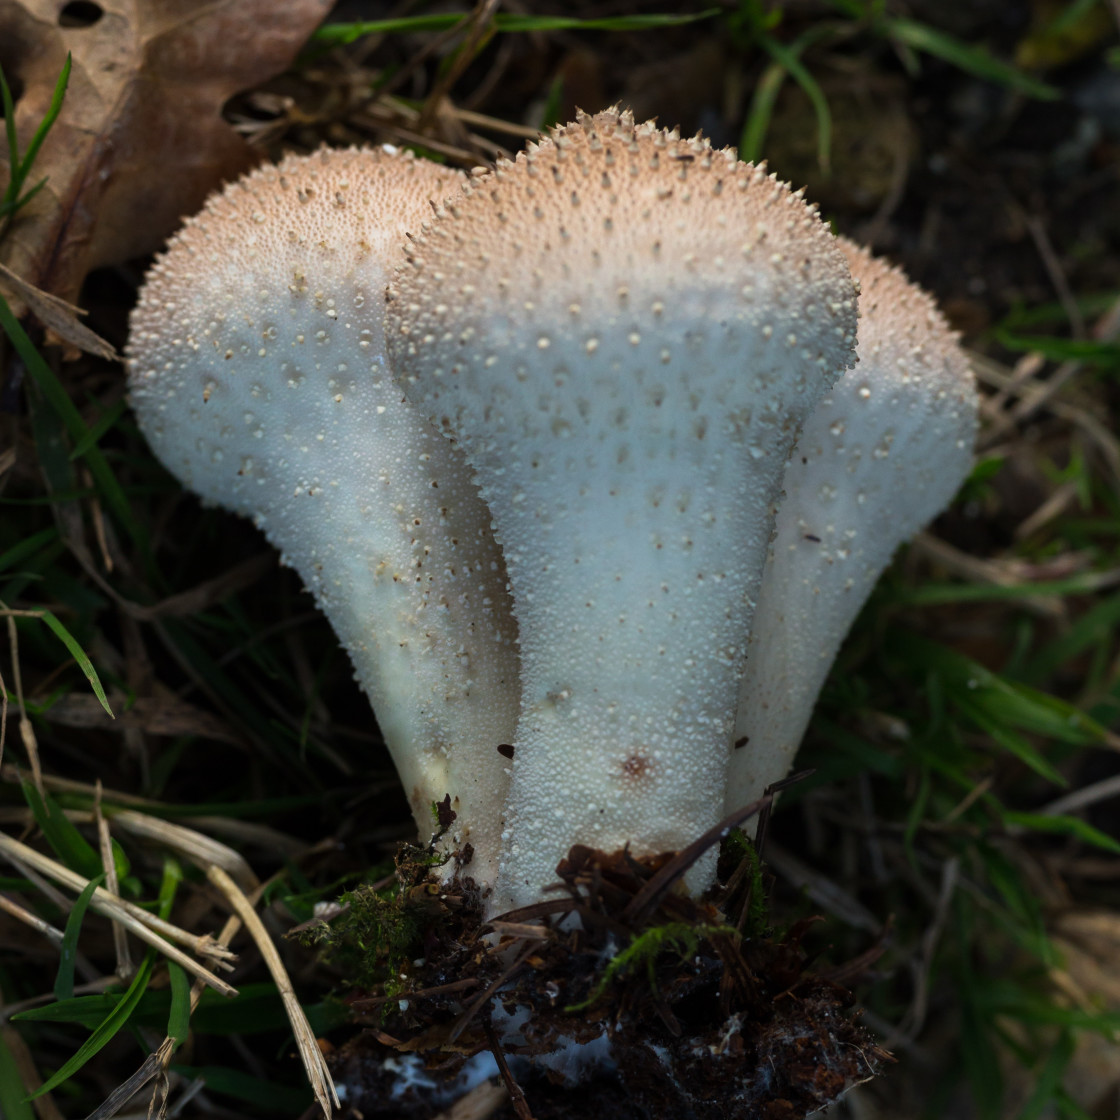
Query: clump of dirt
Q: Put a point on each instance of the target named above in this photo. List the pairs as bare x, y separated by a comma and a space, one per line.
621, 990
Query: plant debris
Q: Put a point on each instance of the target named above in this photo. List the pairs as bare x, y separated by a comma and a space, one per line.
681, 1012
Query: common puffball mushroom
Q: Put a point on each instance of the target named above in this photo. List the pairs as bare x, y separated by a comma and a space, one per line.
257, 372
623, 331
880, 456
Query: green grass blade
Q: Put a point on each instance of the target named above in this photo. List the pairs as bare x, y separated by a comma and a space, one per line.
27, 548
179, 1014
66, 841
1063, 826
788, 60
939, 594
972, 59
1012, 742
1050, 1078
11, 192
257, 1009
105, 1031
276, 1100
757, 124
1096, 627
1006, 703
1103, 354
64, 980
342, 34
57, 397
12, 1104
977, 1049
47, 123
104, 422
519, 23
7, 209
79, 655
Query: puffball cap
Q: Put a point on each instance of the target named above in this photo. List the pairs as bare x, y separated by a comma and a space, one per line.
315, 235
608, 227
915, 384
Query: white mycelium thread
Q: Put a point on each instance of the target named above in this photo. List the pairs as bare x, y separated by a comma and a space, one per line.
882, 454
257, 372
623, 331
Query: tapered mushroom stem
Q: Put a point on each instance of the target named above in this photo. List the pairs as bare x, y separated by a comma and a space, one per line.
257, 372
881, 455
623, 331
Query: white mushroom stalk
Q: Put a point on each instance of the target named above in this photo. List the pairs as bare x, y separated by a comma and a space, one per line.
623, 331
257, 372
882, 454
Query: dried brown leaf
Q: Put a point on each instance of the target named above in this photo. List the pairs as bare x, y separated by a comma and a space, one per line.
140, 141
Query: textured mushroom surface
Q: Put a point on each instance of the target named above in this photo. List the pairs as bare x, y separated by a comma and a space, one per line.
882, 454
623, 331
257, 372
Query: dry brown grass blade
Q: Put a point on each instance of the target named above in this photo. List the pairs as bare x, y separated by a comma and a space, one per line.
138, 921
109, 865
203, 851
57, 315
310, 1054
1032, 394
824, 892
204, 595
22, 914
974, 569
55, 784
26, 731
477, 28
156, 1064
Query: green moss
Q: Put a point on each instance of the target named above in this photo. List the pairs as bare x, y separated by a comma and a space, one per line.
383, 924
681, 939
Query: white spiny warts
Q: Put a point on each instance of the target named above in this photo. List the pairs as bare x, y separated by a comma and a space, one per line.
257, 372
632, 463
880, 456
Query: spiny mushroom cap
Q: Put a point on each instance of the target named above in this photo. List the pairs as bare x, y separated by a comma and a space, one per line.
257, 372
623, 329
881, 455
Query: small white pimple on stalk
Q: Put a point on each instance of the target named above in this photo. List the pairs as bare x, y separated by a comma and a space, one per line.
623, 331
258, 374
881, 455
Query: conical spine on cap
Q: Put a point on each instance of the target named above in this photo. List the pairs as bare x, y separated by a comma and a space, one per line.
623, 330
881, 455
257, 372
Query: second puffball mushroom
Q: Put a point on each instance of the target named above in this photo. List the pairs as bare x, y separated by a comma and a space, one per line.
257, 372
624, 332
881, 455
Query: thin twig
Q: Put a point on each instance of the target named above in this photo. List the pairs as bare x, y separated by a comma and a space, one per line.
646, 900
516, 1093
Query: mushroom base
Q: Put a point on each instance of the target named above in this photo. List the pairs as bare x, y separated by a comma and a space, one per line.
621, 992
